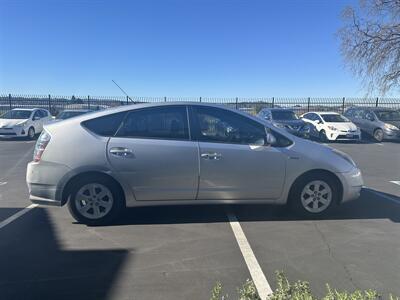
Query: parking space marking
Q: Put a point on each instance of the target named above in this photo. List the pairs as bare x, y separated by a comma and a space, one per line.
396, 182
3, 183
259, 279
17, 215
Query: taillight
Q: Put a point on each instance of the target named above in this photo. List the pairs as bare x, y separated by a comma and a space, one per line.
41, 145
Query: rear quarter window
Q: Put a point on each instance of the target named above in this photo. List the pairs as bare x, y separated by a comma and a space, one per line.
106, 125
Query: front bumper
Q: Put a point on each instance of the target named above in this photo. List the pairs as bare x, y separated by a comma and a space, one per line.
343, 136
352, 183
391, 134
11, 132
44, 182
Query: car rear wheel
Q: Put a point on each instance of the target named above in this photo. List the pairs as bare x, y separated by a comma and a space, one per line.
31, 133
95, 201
314, 195
378, 135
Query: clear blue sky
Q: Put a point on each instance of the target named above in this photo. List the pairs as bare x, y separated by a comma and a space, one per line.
221, 48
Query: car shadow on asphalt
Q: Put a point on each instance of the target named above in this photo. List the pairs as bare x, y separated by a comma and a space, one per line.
370, 205
34, 264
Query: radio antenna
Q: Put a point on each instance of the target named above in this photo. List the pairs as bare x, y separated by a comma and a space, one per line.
122, 90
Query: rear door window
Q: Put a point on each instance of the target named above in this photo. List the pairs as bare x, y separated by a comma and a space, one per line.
169, 122
106, 125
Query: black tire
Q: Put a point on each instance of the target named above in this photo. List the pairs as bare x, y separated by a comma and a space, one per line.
118, 203
378, 135
322, 136
295, 197
31, 133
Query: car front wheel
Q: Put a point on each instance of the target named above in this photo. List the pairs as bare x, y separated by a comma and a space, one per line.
95, 201
314, 195
378, 135
31, 133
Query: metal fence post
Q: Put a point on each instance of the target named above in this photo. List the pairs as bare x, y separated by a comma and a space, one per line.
200, 99
127, 100
343, 104
236, 103
9, 100
165, 99
49, 103
308, 104
88, 101
377, 102
273, 102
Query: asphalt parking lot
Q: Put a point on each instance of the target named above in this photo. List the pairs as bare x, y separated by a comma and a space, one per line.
180, 252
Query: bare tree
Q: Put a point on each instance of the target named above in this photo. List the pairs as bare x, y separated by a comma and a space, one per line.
370, 43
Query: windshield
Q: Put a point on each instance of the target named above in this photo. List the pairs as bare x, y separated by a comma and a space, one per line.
69, 114
388, 115
284, 115
334, 118
16, 114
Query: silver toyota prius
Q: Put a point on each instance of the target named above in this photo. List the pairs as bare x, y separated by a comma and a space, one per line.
183, 153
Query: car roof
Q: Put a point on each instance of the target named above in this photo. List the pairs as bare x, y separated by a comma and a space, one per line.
26, 109
277, 109
372, 108
323, 112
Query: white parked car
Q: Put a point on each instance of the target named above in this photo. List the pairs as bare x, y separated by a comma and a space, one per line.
23, 122
331, 126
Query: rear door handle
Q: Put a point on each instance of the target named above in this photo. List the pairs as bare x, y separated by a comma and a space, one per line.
211, 156
121, 152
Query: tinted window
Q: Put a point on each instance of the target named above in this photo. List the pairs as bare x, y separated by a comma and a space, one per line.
359, 114
105, 126
349, 112
37, 114
218, 125
388, 115
307, 116
44, 113
168, 122
279, 115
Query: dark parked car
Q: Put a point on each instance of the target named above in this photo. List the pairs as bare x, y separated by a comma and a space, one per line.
287, 119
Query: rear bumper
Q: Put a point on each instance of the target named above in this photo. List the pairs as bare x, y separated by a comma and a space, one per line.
44, 182
352, 183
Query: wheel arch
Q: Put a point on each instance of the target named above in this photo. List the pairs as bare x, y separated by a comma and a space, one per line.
317, 172
66, 192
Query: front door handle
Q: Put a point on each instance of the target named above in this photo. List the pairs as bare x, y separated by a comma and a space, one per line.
121, 152
211, 156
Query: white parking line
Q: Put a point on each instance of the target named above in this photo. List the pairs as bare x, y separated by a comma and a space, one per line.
17, 215
396, 182
3, 183
259, 279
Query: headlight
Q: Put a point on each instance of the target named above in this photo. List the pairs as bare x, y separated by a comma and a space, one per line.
21, 124
390, 126
345, 157
332, 128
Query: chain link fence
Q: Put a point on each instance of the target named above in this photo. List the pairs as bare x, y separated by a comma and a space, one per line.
55, 104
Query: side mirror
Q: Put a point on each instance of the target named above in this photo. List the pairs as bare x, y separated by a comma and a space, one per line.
270, 139
35, 118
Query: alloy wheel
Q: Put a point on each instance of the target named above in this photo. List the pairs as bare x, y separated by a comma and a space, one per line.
94, 201
316, 196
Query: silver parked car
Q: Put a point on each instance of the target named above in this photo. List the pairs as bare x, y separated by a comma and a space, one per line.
183, 153
380, 123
